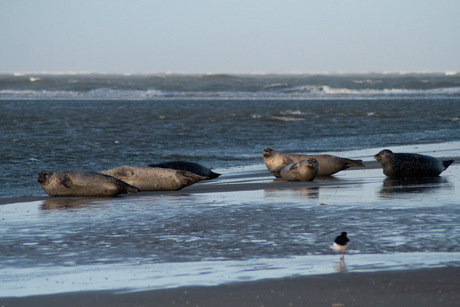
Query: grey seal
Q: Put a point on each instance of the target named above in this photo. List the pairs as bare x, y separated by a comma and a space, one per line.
154, 178
305, 170
189, 167
406, 165
328, 164
82, 184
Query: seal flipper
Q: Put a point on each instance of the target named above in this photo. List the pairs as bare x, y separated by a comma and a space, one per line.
67, 182
447, 163
287, 161
356, 163
276, 172
129, 189
191, 176
123, 172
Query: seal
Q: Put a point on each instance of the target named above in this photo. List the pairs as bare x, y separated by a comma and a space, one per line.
406, 165
82, 184
328, 164
305, 170
154, 178
189, 167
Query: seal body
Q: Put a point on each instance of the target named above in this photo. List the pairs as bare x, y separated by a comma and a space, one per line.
328, 164
305, 170
154, 178
189, 167
82, 184
406, 165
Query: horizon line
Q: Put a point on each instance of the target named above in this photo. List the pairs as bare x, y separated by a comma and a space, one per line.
20, 73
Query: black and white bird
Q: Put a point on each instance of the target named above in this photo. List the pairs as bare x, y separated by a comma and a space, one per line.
340, 244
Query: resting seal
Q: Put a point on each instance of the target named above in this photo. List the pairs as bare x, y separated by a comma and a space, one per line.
328, 164
82, 184
305, 170
154, 178
189, 167
405, 165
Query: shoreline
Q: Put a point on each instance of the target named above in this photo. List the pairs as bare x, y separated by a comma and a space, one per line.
233, 182
419, 287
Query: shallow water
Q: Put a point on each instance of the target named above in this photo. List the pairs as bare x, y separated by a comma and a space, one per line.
156, 240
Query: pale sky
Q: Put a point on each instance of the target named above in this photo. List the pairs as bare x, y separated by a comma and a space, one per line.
213, 36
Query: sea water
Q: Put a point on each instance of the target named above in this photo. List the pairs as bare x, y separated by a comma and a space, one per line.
96, 122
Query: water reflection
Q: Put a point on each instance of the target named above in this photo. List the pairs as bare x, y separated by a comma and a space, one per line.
70, 203
340, 266
311, 192
413, 185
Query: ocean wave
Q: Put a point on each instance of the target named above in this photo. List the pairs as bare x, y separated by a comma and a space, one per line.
307, 92
287, 119
225, 86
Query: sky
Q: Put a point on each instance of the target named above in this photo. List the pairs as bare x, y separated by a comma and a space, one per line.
237, 36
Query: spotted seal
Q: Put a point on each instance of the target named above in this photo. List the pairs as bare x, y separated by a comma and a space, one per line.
154, 178
305, 170
405, 165
76, 183
328, 164
189, 167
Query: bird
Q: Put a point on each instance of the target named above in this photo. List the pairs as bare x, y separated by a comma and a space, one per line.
340, 244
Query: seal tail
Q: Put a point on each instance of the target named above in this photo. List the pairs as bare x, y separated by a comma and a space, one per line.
356, 163
213, 175
129, 189
190, 178
447, 163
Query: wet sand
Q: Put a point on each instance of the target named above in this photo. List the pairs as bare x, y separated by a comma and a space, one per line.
424, 287
244, 181
420, 287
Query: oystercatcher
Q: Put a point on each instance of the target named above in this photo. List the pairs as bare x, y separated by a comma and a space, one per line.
340, 244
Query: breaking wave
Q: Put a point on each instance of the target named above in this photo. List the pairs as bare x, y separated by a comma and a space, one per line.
250, 87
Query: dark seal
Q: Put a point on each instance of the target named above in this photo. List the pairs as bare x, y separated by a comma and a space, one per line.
407, 165
189, 167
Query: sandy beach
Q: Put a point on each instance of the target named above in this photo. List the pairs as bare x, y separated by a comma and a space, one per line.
424, 287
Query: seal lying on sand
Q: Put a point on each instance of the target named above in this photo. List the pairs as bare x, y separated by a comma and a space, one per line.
305, 170
404, 165
82, 184
154, 178
189, 167
328, 164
